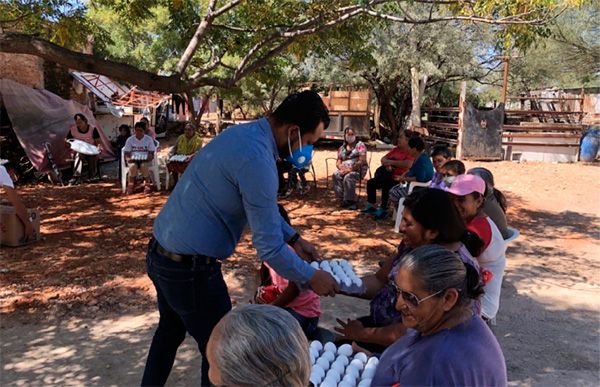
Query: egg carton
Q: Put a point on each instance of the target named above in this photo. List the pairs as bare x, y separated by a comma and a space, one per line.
178, 158
340, 367
344, 274
139, 156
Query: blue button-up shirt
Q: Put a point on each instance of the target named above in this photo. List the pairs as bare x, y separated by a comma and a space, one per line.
231, 182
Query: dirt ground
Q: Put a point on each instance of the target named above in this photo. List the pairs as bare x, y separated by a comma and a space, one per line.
78, 309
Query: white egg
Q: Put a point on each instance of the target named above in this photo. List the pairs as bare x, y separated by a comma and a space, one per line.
351, 380
328, 383
347, 282
373, 360
328, 355
368, 373
312, 358
339, 367
362, 357
315, 379
324, 264
314, 351
315, 265
333, 263
352, 371
316, 344
330, 347
346, 350
342, 358
365, 383
323, 363
343, 262
357, 281
345, 384
334, 375
357, 364
317, 369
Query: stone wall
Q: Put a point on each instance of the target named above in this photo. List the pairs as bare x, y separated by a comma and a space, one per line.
25, 69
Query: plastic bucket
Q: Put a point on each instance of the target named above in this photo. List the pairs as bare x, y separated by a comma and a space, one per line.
590, 144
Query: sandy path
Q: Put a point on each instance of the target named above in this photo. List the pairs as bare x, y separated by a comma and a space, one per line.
74, 314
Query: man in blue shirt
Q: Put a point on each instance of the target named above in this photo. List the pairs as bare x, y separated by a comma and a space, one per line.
230, 183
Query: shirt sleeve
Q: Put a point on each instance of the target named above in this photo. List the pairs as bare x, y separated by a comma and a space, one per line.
127, 147
257, 182
288, 231
5, 180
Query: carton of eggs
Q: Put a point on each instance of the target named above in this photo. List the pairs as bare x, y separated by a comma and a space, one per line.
339, 366
344, 274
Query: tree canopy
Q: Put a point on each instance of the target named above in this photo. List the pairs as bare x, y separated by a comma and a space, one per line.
178, 46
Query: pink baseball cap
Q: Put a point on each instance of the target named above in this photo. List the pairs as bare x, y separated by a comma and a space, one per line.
466, 184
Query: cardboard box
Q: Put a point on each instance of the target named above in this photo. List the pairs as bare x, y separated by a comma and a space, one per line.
12, 230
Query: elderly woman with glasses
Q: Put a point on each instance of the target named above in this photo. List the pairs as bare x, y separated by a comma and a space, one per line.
428, 217
445, 344
258, 345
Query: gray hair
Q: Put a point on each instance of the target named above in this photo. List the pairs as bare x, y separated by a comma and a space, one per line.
485, 174
437, 268
261, 345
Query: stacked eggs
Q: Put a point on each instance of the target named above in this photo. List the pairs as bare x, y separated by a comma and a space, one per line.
341, 270
336, 367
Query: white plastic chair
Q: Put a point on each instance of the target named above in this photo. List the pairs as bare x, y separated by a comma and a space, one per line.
514, 234
398, 213
153, 168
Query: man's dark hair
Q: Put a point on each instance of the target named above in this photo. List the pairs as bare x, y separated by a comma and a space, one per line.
83, 118
305, 109
140, 124
441, 150
455, 165
417, 143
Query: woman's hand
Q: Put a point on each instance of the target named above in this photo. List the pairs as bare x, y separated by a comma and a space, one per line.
350, 330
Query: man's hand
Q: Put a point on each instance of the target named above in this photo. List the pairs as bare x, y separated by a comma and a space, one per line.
350, 330
323, 284
306, 250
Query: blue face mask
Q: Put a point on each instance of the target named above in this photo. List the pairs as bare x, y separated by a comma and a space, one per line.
302, 156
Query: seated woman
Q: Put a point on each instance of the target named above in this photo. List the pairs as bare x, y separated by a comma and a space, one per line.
421, 171
495, 202
83, 131
445, 344
469, 193
258, 345
428, 217
393, 165
352, 166
142, 145
188, 144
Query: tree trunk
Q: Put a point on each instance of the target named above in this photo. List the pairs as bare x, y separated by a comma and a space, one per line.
417, 88
376, 118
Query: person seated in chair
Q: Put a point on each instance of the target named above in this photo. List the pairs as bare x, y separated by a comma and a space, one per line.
82, 131
395, 163
188, 144
421, 171
139, 151
352, 166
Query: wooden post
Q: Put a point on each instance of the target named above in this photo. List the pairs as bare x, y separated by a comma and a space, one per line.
505, 80
461, 112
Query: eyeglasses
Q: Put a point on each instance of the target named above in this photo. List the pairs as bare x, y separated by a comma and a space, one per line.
411, 299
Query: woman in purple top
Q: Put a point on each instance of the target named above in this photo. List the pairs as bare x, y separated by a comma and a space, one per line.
445, 344
429, 217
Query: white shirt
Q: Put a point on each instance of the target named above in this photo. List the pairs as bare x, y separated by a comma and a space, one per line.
493, 259
5, 180
146, 144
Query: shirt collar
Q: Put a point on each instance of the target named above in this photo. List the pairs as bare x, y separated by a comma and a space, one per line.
264, 124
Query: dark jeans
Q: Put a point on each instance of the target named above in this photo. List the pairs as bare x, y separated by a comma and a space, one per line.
192, 298
308, 324
382, 180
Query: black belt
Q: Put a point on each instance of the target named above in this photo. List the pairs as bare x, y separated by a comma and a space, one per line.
182, 258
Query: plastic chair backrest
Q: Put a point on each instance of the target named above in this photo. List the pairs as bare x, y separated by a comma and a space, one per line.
514, 234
